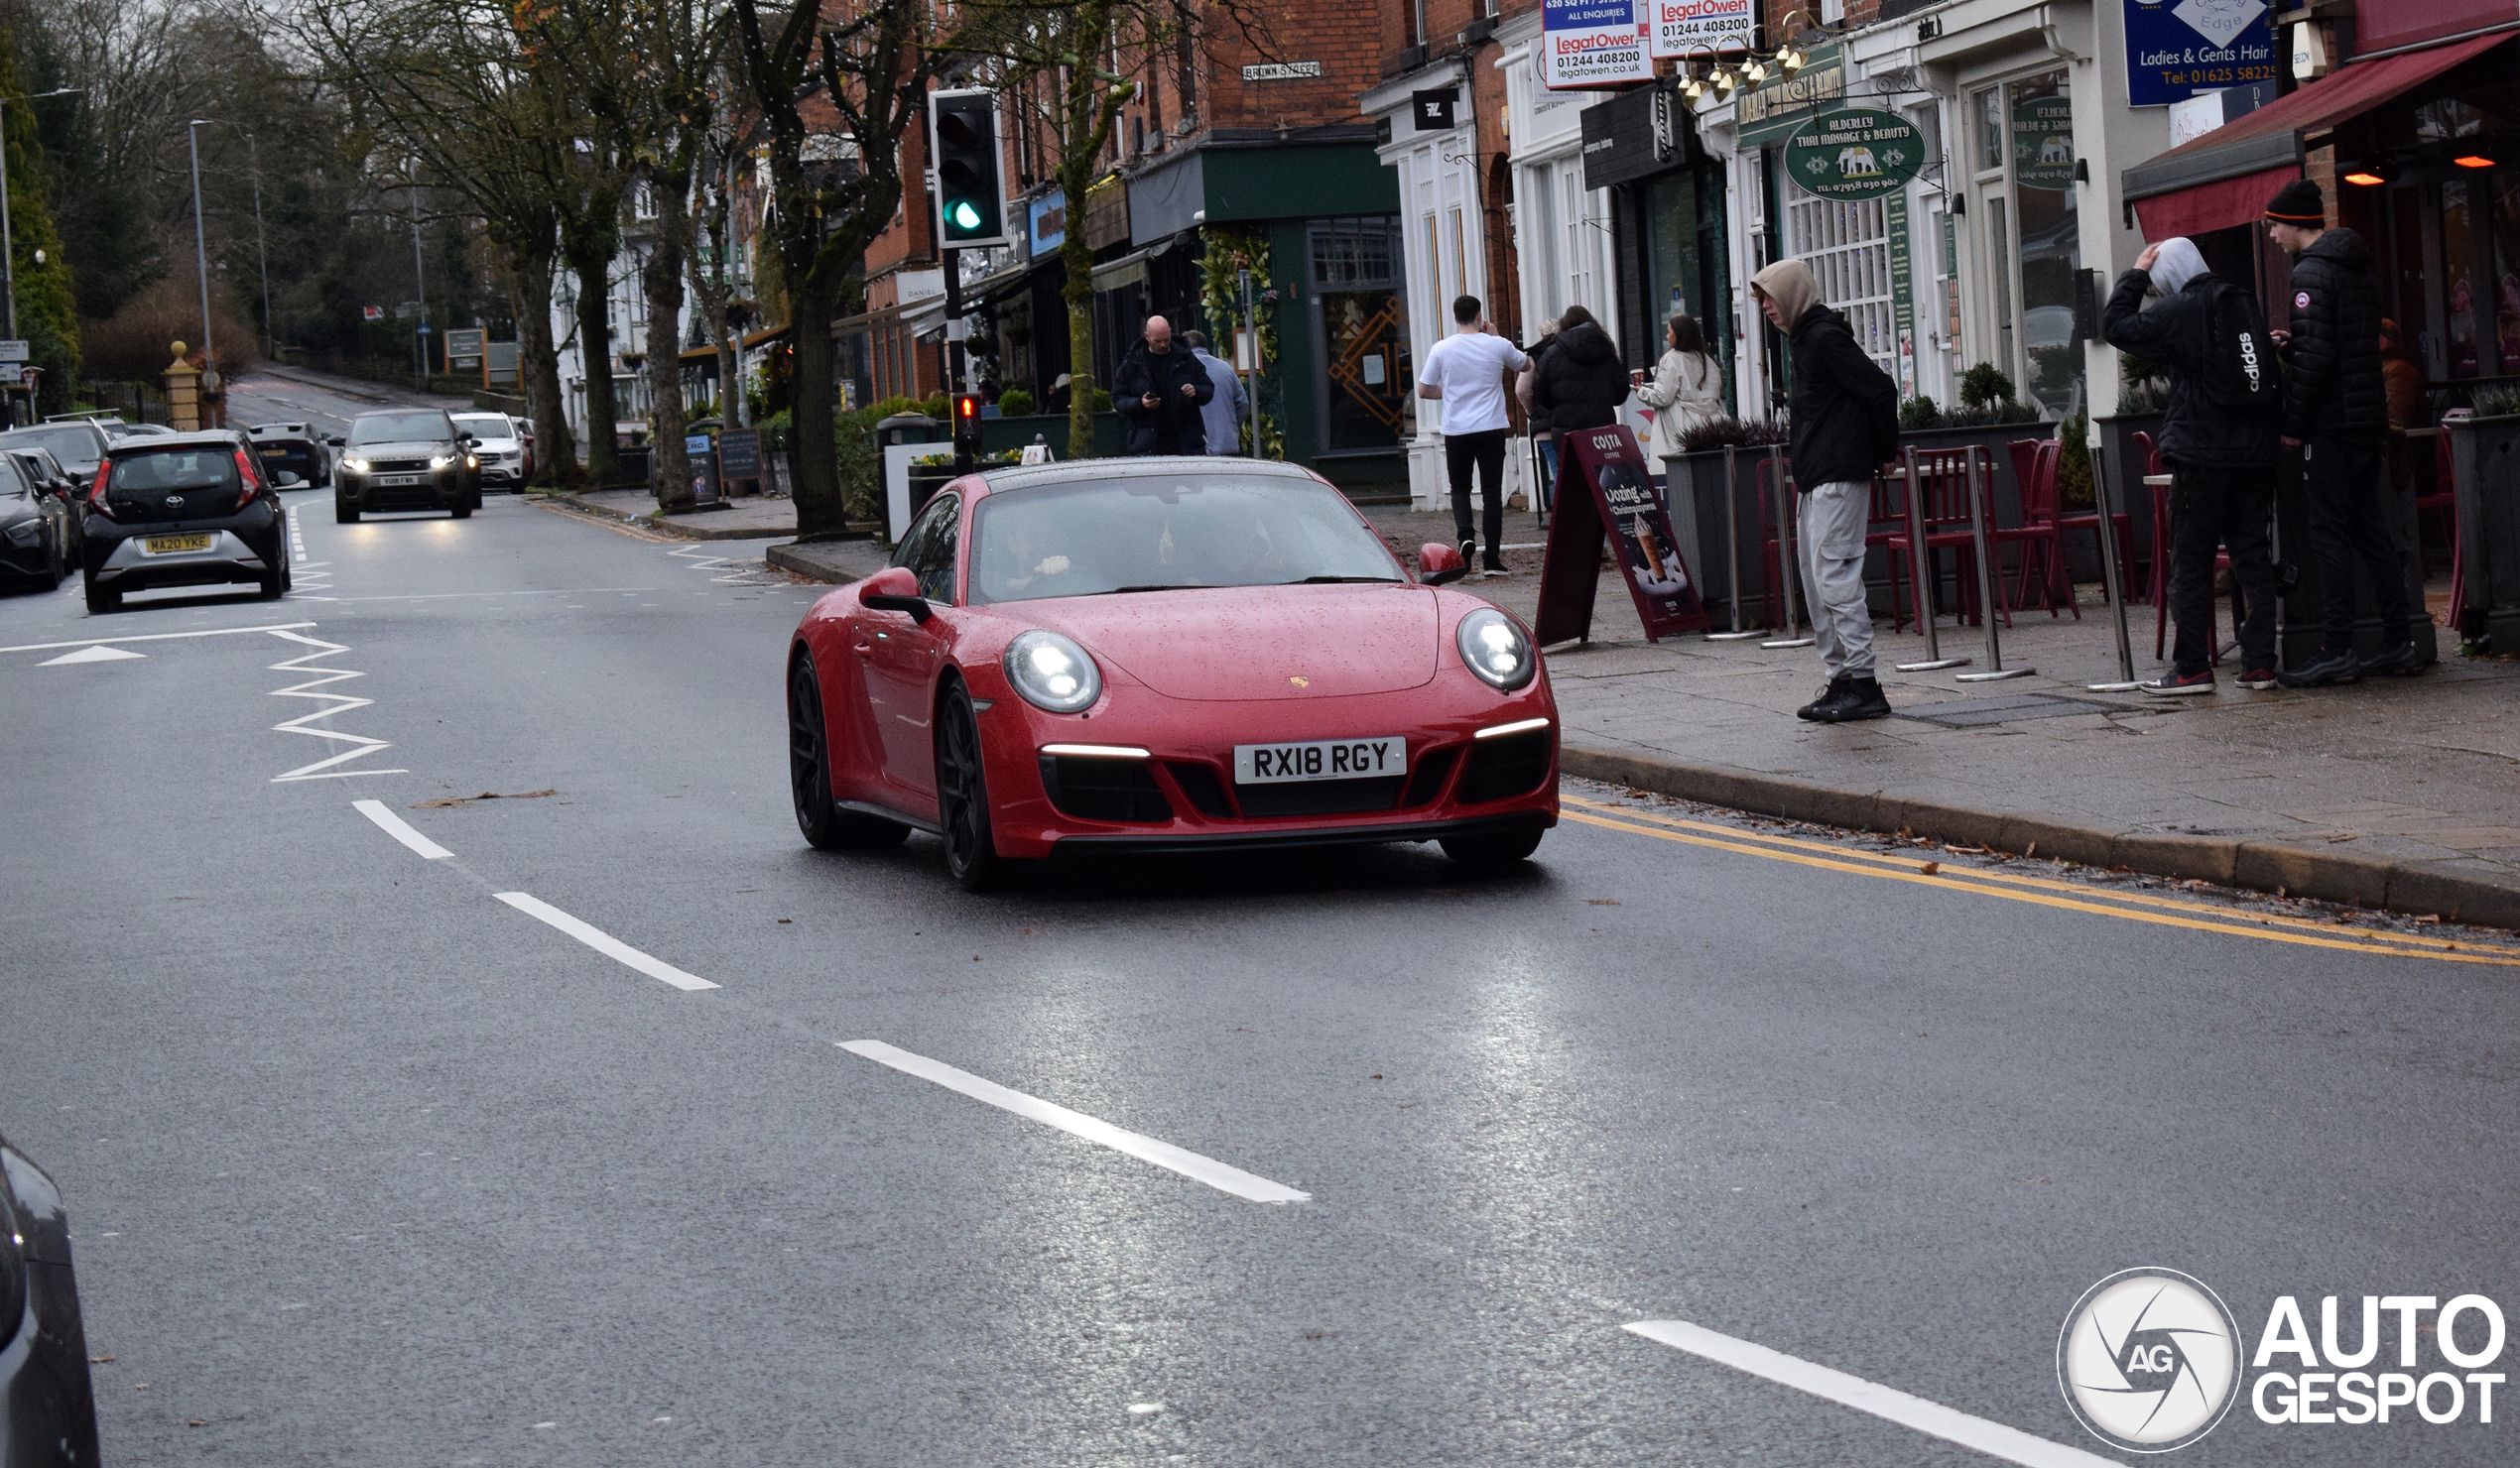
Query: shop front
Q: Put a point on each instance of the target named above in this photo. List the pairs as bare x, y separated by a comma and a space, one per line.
1429, 144
1667, 206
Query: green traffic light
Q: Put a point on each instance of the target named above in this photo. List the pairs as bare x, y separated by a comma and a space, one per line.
964, 217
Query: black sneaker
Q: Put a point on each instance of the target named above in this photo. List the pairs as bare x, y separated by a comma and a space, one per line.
2406, 659
2176, 685
2258, 678
1859, 699
2323, 670
1829, 697
1469, 551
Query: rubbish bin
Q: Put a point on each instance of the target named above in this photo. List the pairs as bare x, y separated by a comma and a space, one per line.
898, 440
636, 466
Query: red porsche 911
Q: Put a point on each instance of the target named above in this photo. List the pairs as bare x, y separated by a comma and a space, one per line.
1161, 656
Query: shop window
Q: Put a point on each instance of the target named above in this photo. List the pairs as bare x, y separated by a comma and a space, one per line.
2459, 255
1990, 129
1364, 365
1848, 246
2506, 212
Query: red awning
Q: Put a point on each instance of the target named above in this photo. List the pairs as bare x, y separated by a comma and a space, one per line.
2205, 178
2208, 206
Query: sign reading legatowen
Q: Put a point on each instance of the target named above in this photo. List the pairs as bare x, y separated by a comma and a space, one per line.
1857, 153
1593, 43
2176, 49
1682, 25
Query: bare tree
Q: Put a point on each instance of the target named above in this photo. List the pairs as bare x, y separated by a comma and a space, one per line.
869, 62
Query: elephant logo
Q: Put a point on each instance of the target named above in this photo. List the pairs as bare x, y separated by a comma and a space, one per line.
2055, 149
1857, 163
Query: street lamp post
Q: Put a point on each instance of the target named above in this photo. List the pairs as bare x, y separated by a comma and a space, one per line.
262, 255
200, 246
420, 283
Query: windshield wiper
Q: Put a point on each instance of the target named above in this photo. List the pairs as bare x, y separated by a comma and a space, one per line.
1160, 587
1344, 580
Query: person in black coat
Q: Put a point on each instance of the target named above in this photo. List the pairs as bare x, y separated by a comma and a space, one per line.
1845, 426
2336, 412
2221, 458
1582, 381
1159, 390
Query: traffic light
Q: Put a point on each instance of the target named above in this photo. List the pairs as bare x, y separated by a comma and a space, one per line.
971, 203
966, 422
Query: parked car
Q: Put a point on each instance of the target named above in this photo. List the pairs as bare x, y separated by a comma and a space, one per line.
34, 528
403, 458
182, 510
57, 481
80, 444
1175, 655
47, 1404
500, 445
293, 448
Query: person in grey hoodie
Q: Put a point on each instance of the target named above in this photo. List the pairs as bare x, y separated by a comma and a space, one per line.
1846, 425
1223, 413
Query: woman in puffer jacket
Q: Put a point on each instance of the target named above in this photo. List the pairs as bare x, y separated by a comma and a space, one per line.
1580, 383
1687, 388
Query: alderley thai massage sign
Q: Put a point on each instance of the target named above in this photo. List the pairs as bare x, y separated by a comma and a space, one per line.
1594, 43
1855, 153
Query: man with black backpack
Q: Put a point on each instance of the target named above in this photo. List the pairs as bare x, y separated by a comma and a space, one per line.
2218, 435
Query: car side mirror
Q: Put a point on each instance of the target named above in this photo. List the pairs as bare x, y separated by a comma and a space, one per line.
336, 441
895, 589
1440, 564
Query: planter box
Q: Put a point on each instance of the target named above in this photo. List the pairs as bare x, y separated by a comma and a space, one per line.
997, 435
2485, 455
1698, 494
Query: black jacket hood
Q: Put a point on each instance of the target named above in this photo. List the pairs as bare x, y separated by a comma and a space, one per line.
1588, 345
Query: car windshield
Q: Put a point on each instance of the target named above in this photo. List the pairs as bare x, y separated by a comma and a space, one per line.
401, 427
174, 471
1166, 531
490, 426
70, 446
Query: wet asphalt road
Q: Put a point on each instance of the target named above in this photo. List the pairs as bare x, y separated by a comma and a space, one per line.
370, 1168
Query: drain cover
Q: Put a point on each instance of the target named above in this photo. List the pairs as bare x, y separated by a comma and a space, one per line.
1969, 713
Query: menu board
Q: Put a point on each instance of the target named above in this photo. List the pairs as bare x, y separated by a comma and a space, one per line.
1625, 505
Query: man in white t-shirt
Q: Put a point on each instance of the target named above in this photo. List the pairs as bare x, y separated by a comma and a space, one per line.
1467, 371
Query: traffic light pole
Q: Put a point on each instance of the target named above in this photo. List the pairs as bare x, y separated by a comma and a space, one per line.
956, 359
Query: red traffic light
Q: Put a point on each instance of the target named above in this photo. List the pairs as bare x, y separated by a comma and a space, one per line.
966, 409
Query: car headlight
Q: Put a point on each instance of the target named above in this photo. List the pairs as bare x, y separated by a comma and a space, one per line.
1495, 649
25, 533
471, 463
1052, 673
355, 464
440, 460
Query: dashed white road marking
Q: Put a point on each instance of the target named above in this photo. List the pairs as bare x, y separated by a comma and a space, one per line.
601, 941
98, 653
1189, 1164
1888, 1403
360, 744
87, 642
296, 541
399, 829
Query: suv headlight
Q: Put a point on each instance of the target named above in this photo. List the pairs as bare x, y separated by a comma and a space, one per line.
354, 464
440, 460
1052, 673
1495, 649
25, 533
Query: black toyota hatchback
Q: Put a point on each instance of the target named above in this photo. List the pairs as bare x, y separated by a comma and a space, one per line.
182, 510
48, 1406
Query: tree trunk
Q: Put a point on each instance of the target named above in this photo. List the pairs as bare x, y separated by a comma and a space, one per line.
662, 277
1078, 292
538, 363
594, 354
812, 301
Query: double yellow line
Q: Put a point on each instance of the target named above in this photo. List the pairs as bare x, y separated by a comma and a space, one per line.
2046, 892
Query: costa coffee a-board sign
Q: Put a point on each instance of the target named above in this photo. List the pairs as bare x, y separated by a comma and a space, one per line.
1621, 502
1594, 43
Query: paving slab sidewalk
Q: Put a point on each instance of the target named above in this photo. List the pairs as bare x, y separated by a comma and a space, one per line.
2394, 793
747, 518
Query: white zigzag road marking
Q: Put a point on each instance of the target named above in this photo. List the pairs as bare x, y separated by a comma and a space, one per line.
360, 744
748, 570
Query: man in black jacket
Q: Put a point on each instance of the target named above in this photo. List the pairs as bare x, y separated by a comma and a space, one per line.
1845, 411
1159, 390
2221, 457
2336, 412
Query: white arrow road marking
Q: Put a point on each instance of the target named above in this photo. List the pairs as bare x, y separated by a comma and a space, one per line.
1146, 1149
399, 829
88, 642
744, 567
360, 744
601, 941
98, 653
1930, 1417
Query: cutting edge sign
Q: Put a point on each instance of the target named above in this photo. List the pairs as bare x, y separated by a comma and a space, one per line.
1854, 153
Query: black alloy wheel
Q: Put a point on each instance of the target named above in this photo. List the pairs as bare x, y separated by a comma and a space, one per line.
276, 580
1491, 853
462, 508
827, 827
963, 796
343, 512
101, 599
